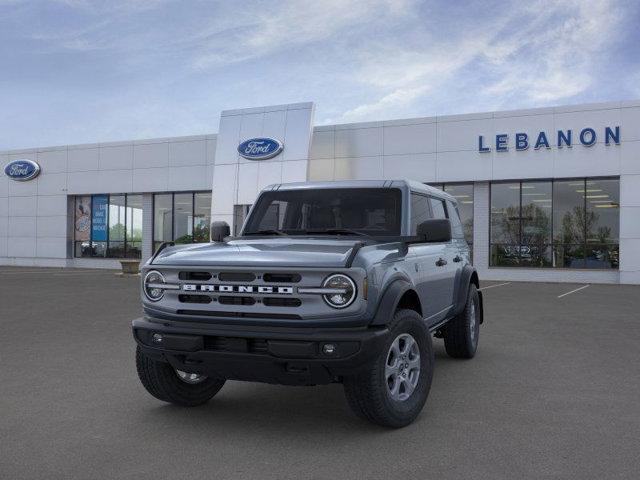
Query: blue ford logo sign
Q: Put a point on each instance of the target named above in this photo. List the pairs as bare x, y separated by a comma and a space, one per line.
22, 170
260, 148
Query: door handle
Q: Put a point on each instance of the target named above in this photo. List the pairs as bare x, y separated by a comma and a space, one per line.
441, 262
457, 258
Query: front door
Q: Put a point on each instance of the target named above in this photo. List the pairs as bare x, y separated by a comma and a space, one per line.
433, 279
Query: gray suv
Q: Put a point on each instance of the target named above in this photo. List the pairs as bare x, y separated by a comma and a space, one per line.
327, 282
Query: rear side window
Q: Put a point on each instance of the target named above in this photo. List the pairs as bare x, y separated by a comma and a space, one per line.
456, 223
437, 207
420, 211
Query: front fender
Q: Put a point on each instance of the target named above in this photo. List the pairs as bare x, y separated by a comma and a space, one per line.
389, 300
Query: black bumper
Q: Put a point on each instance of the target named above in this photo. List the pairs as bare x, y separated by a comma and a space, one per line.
288, 356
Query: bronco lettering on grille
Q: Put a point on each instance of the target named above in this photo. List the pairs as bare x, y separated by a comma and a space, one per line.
259, 289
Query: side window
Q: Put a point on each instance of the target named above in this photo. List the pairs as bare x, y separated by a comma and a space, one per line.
272, 218
437, 206
456, 225
420, 211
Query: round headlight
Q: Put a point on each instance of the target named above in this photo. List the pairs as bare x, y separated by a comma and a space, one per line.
345, 291
151, 280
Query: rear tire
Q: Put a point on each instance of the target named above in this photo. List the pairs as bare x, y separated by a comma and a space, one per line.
167, 384
394, 387
461, 334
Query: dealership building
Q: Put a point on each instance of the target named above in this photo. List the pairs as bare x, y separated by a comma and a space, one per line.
548, 194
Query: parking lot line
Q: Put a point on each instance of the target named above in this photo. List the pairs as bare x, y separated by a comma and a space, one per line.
496, 285
573, 291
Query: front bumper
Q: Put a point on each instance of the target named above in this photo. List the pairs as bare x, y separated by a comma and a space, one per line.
281, 355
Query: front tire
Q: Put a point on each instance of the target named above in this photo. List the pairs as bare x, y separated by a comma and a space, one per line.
394, 387
461, 334
174, 386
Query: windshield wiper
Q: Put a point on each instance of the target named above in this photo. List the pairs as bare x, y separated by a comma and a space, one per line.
337, 231
267, 232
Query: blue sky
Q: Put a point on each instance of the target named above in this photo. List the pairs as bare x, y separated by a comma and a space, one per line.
77, 71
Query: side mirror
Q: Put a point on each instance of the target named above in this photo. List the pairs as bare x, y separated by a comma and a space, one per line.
219, 230
435, 230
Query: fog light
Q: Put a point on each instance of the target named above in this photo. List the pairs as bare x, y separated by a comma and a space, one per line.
156, 338
328, 348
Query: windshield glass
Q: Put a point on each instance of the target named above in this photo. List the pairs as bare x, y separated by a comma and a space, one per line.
354, 211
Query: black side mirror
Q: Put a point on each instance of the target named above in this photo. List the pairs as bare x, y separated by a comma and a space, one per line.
435, 230
219, 230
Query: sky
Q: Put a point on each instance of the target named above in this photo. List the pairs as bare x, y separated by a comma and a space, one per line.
80, 71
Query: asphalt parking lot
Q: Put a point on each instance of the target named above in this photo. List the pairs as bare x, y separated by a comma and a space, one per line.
554, 392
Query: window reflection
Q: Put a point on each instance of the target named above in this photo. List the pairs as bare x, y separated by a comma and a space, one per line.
603, 223
420, 211
505, 224
535, 217
134, 226
201, 217
463, 193
183, 217
82, 226
162, 219
117, 220
564, 224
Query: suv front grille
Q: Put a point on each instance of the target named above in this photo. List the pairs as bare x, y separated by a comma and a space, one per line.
195, 298
282, 302
197, 276
281, 277
222, 314
228, 292
227, 300
235, 344
236, 276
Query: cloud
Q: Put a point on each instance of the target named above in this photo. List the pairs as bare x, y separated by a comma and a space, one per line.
125, 69
541, 53
552, 60
263, 31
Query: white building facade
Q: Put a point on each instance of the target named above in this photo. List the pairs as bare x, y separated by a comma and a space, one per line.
549, 194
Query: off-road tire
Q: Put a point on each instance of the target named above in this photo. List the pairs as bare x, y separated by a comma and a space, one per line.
459, 342
368, 394
161, 381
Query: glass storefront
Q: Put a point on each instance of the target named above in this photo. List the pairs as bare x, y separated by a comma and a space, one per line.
561, 224
181, 217
108, 226
533, 223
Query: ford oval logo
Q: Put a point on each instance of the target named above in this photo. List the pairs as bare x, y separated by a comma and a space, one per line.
22, 170
260, 148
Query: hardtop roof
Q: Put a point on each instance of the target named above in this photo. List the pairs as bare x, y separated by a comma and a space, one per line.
412, 185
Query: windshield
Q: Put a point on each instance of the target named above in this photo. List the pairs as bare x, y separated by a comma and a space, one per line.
336, 211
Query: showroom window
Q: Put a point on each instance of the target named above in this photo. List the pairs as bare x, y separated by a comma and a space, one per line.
108, 226
562, 224
182, 217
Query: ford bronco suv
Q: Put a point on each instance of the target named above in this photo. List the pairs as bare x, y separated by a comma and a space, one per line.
327, 282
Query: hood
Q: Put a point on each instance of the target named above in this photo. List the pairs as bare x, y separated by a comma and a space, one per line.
276, 252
